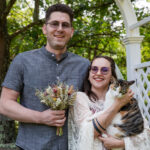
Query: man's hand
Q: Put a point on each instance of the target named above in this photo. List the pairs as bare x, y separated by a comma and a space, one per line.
18, 112
53, 117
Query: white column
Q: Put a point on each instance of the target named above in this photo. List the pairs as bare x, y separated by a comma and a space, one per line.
129, 16
133, 39
133, 54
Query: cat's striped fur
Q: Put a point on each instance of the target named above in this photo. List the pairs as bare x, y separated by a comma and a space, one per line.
129, 120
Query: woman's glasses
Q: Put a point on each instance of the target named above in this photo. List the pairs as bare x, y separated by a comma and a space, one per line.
103, 70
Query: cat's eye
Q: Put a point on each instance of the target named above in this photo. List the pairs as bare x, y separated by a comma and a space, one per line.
116, 85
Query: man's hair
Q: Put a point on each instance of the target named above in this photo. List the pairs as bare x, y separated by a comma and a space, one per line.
59, 7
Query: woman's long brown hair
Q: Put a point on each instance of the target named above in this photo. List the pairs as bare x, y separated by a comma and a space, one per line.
87, 85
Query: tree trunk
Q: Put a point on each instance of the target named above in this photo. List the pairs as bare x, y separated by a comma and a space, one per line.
36, 10
4, 51
35, 19
7, 126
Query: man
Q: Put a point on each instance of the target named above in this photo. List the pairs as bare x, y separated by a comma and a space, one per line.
37, 69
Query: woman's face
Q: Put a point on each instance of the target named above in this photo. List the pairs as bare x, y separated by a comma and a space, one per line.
100, 73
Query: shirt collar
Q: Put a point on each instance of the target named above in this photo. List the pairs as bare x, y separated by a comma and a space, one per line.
52, 55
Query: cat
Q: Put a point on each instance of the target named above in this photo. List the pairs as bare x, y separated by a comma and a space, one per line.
128, 121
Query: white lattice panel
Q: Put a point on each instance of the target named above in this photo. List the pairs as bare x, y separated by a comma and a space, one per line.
143, 88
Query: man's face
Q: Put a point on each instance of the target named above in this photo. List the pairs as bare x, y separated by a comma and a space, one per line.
58, 31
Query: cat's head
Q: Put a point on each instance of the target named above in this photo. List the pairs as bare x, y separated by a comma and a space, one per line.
121, 86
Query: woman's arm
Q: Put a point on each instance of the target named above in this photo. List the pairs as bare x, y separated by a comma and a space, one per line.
83, 113
82, 119
140, 141
107, 116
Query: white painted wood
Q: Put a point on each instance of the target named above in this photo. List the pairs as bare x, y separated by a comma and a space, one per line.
133, 39
142, 65
128, 15
133, 54
142, 77
140, 23
136, 70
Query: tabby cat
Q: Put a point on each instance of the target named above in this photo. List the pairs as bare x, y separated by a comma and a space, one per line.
128, 121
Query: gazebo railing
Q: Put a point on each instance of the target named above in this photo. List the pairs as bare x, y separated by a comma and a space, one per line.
142, 75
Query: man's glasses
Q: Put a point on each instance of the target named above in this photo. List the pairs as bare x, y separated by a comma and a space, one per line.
103, 70
56, 24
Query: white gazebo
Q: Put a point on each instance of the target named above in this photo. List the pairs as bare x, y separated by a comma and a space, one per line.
140, 72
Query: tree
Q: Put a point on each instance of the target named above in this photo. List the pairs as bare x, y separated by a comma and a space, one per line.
95, 26
4, 61
7, 126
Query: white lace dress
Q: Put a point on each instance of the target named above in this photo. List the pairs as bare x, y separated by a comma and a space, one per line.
81, 130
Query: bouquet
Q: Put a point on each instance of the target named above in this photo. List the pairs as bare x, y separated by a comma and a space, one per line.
58, 97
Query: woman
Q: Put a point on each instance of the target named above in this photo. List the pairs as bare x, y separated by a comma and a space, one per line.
83, 132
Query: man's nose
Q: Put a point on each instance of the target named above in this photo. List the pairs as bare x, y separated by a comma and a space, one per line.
60, 27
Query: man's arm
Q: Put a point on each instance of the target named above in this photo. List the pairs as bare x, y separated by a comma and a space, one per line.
11, 108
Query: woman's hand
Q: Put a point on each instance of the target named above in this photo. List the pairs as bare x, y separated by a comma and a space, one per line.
122, 101
111, 142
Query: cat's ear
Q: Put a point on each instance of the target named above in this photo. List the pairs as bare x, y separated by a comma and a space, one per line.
130, 82
112, 80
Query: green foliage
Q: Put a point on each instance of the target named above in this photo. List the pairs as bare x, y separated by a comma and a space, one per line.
145, 31
29, 40
96, 32
20, 16
7, 135
95, 27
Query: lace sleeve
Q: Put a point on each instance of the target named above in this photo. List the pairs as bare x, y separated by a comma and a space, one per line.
81, 109
139, 142
81, 131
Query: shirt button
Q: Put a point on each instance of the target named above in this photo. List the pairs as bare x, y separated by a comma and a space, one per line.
57, 77
52, 55
57, 64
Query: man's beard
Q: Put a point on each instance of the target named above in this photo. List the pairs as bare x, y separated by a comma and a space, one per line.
57, 46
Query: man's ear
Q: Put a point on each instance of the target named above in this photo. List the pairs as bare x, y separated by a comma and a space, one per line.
44, 29
72, 32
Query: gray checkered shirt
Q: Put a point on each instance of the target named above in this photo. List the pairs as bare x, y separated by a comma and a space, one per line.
37, 69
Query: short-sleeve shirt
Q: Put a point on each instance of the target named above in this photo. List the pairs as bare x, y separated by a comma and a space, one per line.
36, 69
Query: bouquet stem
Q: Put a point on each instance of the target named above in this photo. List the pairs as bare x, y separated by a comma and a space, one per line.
59, 131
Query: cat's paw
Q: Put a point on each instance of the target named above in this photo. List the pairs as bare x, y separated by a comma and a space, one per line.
104, 135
